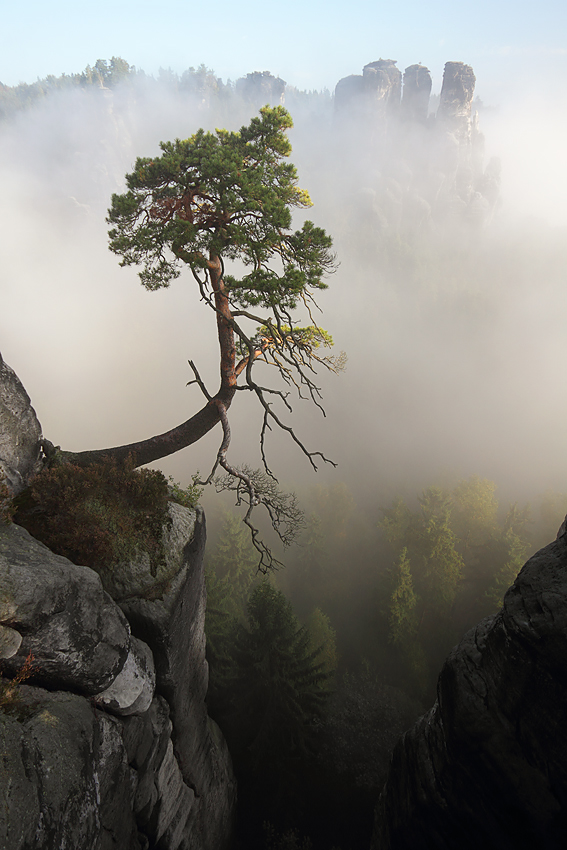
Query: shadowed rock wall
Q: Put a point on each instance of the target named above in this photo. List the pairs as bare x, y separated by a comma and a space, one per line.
487, 766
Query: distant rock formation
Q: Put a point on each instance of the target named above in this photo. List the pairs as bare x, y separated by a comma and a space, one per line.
383, 82
380, 85
416, 92
375, 92
457, 92
261, 87
487, 766
106, 741
440, 157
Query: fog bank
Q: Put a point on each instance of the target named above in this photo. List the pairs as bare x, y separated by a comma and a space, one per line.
454, 328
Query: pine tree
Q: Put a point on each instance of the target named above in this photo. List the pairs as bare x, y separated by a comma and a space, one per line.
514, 544
403, 624
323, 641
442, 564
278, 686
229, 575
235, 563
403, 601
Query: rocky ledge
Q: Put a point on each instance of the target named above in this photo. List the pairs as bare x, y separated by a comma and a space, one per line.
105, 739
96, 752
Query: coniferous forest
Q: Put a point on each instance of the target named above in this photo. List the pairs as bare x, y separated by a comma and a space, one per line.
347, 643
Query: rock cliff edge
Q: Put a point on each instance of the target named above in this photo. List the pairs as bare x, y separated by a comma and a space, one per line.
105, 741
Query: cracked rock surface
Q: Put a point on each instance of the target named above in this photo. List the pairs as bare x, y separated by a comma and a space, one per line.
104, 761
20, 431
104, 734
77, 635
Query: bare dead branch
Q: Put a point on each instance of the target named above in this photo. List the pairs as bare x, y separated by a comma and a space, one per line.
254, 487
309, 455
199, 381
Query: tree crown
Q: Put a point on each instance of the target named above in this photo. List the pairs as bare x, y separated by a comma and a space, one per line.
228, 195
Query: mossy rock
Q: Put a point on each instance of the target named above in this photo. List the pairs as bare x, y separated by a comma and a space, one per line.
138, 576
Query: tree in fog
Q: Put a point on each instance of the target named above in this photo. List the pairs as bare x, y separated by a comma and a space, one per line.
323, 641
430, 545
279, 687
224, 198
453, 560
234, 562
230, 573
401, 608
424, 582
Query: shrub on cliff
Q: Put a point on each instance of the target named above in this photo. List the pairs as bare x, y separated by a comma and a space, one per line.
98, 515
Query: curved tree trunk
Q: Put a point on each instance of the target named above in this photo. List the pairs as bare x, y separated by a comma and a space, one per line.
202, 422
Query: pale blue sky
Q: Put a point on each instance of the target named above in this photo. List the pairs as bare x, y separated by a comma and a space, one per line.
311, 44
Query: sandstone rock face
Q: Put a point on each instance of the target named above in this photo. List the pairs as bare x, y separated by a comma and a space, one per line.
64, 776
487, 766
347, 91
20, 432
135, 578
261, 87
102, 756
115, 770
440, 157
173, 626
163, 805
72, 776
383, 81
374, 93
457, 91
416, 92
77, 635
133, 689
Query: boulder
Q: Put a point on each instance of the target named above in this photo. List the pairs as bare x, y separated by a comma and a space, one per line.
136, 577
64, 775
20, 432
77, 635
10, 641
133, 689
487, 766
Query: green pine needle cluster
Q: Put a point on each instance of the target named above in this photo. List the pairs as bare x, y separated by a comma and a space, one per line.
225, 194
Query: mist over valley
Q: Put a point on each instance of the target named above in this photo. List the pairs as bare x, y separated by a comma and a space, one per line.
452, 325
446, 427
